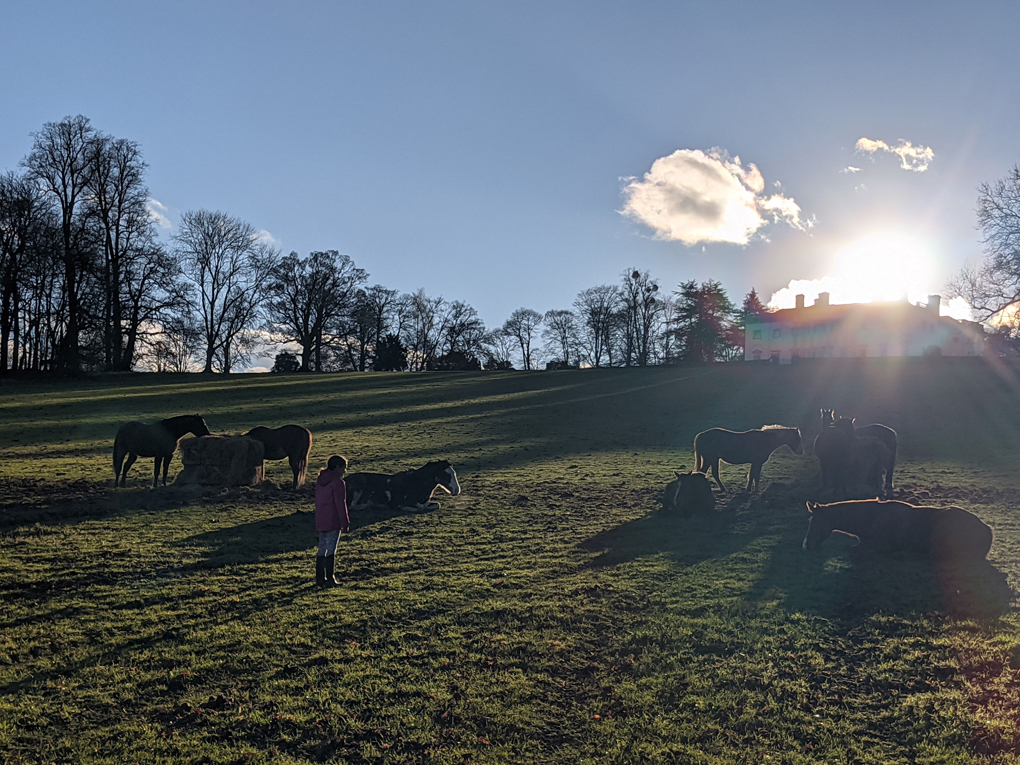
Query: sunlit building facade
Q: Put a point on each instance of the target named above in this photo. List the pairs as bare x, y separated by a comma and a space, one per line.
859, 329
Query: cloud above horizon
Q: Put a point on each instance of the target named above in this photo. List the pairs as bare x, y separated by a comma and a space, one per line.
913, 158
158, 213
693, 196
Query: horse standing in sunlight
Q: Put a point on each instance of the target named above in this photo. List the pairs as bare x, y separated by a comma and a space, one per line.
741, 448
158, 440
291, 442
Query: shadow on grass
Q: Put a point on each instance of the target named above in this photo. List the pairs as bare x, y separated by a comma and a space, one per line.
260, 540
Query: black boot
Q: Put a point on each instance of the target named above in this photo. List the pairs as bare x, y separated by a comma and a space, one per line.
328, 579
320, 571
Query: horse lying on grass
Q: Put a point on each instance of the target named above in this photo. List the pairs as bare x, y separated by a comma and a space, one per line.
159, 440
690, 493
741, 448
409, 490
945, 533
291, 442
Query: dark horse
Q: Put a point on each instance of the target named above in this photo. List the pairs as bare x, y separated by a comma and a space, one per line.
741, 448
291, 442
854, 459
690, 493
159, 440
411, 489
893, 526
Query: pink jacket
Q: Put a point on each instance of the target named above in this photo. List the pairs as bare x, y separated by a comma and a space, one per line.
331, 502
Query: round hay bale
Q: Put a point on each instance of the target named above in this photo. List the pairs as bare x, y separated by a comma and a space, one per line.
221, 461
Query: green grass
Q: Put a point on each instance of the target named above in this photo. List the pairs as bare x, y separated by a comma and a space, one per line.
548, 614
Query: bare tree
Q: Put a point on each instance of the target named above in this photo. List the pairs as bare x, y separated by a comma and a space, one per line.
310, 298
26, 223
59, 160
522, 326
229, 267
423, 329
498, 347
463, 331
561, 335
596, 308
640, 309
994, 287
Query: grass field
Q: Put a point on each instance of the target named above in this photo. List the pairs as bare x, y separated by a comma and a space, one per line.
547, 614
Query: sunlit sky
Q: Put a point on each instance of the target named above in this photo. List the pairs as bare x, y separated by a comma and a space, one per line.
512, 154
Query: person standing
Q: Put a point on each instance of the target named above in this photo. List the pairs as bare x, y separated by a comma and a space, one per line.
330, 518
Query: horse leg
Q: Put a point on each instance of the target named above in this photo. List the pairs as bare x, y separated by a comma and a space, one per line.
166, 467
295, 468
753, 475
127, 466
155, 470
888, 476
715, 475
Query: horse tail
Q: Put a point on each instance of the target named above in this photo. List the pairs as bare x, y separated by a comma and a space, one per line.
119, 452
302, 462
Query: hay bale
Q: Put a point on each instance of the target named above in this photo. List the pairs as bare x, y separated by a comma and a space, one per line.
221, 461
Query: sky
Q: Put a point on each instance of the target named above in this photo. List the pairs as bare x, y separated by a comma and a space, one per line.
511, 154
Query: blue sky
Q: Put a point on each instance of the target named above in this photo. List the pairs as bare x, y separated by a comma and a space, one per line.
488, 151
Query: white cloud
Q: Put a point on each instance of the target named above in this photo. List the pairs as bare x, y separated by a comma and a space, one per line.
914, 158
158, 213
850, 169
694, 196
265, 237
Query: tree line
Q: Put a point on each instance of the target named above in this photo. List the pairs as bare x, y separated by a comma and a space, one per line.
86, 285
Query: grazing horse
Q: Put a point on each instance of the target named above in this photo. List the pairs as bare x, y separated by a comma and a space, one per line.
741, 448
411, 489
159, 440
892, 526
690, 493
291, 442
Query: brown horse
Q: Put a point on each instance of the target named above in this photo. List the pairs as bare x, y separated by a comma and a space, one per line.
158, 440
741, 448
892, 526
291, 442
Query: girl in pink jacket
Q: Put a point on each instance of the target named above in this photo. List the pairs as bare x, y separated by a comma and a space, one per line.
330, 518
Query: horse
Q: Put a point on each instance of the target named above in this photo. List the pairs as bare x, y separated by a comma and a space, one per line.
158, 440
291, 442
892, 526
690, 493
833, 451
409, 490
740, 448
888, 437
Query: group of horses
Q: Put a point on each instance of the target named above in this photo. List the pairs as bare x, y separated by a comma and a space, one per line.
409, 489
854, 460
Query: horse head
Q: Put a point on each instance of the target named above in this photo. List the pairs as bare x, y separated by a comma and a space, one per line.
445, 477
828, 418
198, 426
819, 528
795, 442
845, 424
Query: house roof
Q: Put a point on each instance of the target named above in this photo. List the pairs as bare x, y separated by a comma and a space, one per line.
820, 314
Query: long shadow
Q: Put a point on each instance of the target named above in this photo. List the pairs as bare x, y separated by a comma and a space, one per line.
257, 541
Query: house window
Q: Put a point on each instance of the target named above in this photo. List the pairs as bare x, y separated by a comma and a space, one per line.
777, 332
756, 355
774, 357
756, 335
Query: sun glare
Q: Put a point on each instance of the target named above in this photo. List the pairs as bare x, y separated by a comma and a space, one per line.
876, 268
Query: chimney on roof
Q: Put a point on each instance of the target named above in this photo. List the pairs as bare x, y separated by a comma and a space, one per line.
823, 299
800, 301
934, 303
